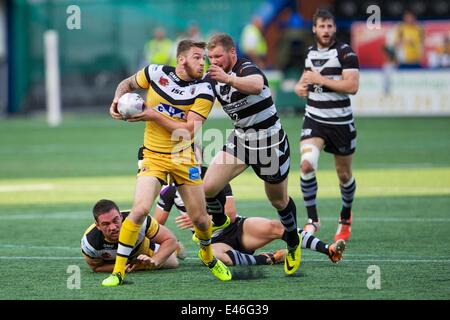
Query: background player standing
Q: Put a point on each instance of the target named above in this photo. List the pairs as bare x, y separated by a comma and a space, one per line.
331, 74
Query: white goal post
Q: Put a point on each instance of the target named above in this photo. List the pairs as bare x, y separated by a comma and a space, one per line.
52, 79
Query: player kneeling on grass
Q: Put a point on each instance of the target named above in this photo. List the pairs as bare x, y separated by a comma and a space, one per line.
155, 248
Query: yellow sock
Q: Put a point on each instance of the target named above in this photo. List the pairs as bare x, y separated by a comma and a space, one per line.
127, 240
205, 243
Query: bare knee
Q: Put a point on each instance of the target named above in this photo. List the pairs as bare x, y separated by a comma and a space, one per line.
276, 229
344, 176
306, 167
201, 221
280, 203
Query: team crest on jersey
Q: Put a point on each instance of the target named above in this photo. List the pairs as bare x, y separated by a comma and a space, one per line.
170, 111
193, 90
224, 90
163, 81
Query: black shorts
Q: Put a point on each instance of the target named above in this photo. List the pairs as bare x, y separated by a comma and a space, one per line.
339, 139
232, 236
269, 157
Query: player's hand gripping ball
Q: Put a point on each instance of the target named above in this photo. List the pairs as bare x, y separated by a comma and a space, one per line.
130, 104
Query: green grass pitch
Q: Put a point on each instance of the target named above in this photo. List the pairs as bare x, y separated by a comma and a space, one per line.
50, 178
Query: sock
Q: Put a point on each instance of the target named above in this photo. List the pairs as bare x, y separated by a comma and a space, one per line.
216, 208
127, 240
311, 242
288, 217
205, 243
239, 258
347, 192
309, 190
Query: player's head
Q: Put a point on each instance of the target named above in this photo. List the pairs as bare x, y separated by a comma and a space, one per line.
191, 57
108, 219
222, 51
324, 27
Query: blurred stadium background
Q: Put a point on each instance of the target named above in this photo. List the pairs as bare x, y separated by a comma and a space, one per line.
50, 177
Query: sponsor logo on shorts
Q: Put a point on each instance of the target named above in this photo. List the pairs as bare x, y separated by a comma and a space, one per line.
194, 173
306, 132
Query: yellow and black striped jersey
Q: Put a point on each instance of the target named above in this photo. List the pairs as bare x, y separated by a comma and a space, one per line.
96, 248
174, 98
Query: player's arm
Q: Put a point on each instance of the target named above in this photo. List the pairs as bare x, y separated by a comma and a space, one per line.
127, 85
98, 265
182, 129
301, 87
249, 84
160, 215
167, 245
349, 83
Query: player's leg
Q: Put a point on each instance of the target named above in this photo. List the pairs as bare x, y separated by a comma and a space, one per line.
236, 255
220, 252
258, 232
347, 184
275, 178
310, 151
194, 201
222, 170
147, 189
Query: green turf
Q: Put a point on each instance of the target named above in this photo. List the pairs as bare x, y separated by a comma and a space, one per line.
49, 179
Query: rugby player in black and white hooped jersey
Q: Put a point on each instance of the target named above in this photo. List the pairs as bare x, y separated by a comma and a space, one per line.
331, 74
257, 140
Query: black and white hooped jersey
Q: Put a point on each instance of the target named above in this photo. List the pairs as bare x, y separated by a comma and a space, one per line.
323, 104
254, 116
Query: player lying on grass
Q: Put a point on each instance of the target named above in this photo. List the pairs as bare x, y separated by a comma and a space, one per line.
155, 248
236, 244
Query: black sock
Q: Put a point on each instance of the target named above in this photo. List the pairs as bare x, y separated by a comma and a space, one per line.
216, 208
309, 191
288, 217
347, 193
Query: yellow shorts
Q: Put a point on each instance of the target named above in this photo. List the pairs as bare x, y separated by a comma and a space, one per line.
182, 167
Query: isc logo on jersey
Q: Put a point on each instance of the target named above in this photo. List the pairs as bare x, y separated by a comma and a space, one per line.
170, 111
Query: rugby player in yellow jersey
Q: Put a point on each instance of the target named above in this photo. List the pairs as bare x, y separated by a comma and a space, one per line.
155, 248
180, 95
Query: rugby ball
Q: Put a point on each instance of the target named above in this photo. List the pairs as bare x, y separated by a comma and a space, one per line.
130, 104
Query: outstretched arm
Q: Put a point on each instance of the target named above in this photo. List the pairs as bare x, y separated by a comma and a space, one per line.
251, 84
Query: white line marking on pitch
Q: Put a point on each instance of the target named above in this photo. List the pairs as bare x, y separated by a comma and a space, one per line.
86, 215
307, 260
27, 187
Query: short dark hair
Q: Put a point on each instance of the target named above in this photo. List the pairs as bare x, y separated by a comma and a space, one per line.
186, 44
221, 39
103, 206
322, 13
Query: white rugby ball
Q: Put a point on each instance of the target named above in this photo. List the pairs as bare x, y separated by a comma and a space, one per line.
130, 104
